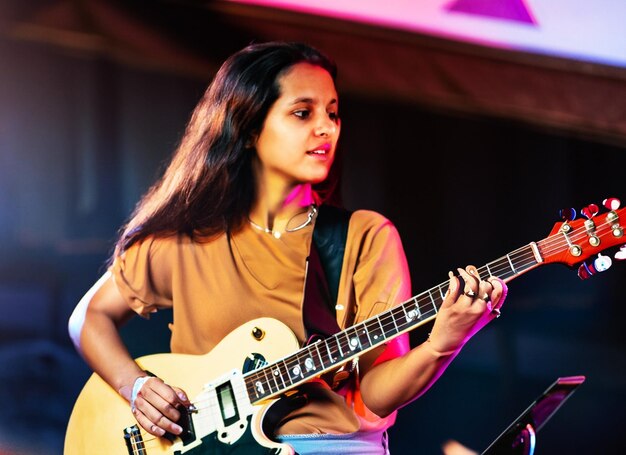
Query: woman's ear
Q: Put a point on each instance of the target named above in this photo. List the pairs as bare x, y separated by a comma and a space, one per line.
251, 142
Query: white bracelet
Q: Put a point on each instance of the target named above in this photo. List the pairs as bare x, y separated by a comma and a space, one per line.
139, 382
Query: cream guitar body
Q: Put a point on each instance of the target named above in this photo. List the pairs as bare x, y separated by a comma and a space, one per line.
234, 386
225, 421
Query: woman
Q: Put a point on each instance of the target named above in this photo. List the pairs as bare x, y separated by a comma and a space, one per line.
224, 236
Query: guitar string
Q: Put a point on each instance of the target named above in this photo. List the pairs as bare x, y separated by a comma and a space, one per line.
553, 243
147, 441
389, 323
386, 321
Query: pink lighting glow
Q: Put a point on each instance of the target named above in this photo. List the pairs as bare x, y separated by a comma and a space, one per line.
586, 31
514, 10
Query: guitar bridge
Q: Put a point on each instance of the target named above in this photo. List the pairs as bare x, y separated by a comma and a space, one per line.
134, 440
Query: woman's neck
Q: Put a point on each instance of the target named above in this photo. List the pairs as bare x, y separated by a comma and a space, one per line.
276, 213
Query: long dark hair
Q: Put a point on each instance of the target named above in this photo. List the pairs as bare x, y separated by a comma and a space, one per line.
208, 187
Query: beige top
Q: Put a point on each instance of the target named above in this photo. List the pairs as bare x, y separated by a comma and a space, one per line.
215, 286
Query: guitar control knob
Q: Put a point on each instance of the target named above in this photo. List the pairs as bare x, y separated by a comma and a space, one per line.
258, 333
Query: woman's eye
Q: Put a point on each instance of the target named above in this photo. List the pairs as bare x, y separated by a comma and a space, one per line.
334, 116
302, 114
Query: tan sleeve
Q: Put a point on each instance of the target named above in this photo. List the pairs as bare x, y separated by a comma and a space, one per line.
376, 263
143, 275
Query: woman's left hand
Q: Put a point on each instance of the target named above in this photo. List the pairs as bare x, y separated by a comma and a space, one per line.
468, 306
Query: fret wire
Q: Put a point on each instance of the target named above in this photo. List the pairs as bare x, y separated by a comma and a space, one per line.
396, 316
350, 336
338, 346
511, 263
346, 349
303, 356
311, 351
263, 380
328, 350
275, 379
257, 378
298, 360
373, 329
355, 336
295, 365
381, 328
418, 309
285, 374
432, 299
406, 315
387, 318
319, 354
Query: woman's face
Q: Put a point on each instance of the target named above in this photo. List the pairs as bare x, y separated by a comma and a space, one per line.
299, 136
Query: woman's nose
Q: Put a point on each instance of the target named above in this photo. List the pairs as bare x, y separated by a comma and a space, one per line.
326, 127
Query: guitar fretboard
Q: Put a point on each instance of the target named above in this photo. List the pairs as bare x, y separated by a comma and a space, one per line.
326, 354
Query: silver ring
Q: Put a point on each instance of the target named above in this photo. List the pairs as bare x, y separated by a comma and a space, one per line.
497, 312
470, 294
486, 298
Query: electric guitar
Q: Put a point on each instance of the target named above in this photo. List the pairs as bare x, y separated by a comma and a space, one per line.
236, 383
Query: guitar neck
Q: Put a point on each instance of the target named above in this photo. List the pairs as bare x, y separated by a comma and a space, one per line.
329, 353
568, 243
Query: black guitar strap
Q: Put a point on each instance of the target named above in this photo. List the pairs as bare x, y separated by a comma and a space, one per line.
324, 270
320, 295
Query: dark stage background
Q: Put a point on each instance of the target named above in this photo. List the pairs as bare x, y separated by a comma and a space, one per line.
83, 134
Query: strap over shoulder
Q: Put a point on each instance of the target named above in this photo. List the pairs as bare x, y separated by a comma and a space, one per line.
329, 238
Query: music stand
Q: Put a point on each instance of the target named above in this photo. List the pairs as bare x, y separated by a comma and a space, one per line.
520, 437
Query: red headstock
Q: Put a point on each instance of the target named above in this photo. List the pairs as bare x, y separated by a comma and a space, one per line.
573, 241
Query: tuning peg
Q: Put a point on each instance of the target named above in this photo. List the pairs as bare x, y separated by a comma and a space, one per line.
590, 211
611, 203
585, 271
600, 264
620, 255
567, 214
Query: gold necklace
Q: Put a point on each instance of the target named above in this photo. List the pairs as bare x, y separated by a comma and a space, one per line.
309, 219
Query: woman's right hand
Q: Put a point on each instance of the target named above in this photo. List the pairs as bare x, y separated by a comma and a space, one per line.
94, 329
156, 406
